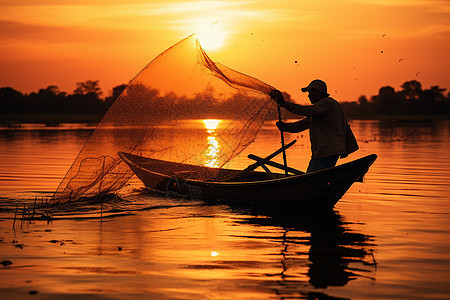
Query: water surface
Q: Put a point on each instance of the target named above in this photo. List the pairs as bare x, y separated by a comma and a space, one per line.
387, 237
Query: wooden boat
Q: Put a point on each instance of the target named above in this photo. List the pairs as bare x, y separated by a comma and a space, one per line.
319, 190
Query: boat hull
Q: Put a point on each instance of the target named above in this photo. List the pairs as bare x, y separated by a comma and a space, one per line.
321, 189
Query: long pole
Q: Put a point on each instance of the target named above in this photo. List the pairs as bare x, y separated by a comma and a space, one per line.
282, 141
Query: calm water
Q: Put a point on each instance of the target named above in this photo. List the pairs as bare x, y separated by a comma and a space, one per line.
388, 237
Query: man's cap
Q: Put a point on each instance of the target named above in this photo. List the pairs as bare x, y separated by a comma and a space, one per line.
318, 85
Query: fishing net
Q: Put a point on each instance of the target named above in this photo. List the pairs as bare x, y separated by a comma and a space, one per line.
182, 107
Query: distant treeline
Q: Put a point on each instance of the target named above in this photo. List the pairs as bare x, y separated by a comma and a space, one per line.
87, 99
410, 100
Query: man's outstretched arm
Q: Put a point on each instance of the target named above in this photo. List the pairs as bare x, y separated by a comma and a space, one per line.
294, 127
322, 107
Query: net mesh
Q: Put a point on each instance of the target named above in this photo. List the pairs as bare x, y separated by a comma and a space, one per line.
182, 107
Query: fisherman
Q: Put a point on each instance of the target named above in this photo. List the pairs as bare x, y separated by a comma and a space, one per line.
329, 132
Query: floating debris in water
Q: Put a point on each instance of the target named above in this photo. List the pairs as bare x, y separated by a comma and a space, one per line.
6, 263
61, 242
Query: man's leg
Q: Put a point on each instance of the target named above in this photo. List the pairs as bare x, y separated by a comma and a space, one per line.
316, 164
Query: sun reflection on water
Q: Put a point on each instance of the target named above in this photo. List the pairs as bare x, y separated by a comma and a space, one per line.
212, 153
213, 149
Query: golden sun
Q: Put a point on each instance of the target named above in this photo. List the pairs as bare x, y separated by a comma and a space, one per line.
211, 124
211, 37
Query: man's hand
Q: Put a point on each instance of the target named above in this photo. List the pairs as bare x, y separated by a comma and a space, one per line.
277, 96
281, 126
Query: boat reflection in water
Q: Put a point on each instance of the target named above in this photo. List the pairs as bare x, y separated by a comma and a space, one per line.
213, 149
315, 251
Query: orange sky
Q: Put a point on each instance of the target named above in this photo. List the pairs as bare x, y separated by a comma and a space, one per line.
356, 46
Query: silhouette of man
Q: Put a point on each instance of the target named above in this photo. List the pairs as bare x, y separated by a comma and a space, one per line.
330, 135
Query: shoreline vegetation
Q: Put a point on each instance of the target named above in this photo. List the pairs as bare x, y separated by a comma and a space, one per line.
54, 120
52, 107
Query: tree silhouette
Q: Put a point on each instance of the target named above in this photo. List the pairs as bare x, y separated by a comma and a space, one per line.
362, 100
438, 92
10, 99
411, 90
388, 101
50, 99
88, 87
117, 90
